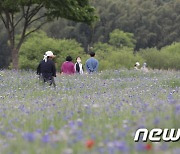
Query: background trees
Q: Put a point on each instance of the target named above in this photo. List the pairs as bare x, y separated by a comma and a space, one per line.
32, 51
166, 58
154, 23
119, 38
26, 16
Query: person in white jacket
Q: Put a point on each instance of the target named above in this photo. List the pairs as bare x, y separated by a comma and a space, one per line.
78, 66
144, 68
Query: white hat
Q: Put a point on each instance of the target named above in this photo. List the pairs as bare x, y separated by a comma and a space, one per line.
48, 54
137, 64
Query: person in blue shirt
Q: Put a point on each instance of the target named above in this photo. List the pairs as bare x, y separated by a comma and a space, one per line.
92, 64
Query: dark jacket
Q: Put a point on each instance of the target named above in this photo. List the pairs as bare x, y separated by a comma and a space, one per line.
47, 69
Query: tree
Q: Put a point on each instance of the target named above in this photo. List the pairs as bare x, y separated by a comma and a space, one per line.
4, 52
31, 15
31, 52
154, 23
4, 49
119, 38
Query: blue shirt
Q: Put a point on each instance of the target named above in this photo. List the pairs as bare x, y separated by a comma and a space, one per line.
92, 65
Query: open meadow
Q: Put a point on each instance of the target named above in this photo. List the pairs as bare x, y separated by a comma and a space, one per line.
95, 114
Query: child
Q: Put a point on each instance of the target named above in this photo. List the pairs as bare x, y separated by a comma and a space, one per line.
78, 66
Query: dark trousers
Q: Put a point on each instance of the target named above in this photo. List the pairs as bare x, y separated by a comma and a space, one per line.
49, 80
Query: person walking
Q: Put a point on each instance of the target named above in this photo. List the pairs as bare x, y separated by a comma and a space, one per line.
78, 66
67, 67
46, 69
92, 64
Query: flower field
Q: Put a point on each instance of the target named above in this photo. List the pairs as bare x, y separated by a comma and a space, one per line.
94, 114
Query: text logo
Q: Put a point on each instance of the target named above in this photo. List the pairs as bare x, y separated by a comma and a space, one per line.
157, 134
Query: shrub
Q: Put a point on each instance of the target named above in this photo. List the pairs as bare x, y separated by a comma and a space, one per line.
119, 38
37, 44
114, 58
166, 58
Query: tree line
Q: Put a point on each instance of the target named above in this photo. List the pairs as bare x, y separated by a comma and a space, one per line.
23, 17
154, 23
117, 53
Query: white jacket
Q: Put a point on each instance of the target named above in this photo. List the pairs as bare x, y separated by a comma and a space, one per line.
81, 68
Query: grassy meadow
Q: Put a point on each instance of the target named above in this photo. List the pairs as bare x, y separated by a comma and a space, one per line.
94, 114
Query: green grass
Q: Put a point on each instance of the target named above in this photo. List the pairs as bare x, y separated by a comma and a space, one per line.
173, 83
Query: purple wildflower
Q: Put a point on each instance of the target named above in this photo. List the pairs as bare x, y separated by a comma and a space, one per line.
46, 138
29, 137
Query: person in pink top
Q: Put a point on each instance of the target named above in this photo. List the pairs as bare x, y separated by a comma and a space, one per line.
67, 67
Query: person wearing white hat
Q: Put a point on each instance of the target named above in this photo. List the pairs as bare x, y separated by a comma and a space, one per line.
136, 66
46, 68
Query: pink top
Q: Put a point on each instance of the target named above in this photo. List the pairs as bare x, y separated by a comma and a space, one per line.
67, 68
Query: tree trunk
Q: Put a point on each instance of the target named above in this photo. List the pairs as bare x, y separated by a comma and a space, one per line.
15, 58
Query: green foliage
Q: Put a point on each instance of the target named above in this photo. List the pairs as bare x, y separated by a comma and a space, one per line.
111, 57
167, 58
33, 49
18, 16
173, 83
77, 10
153, 23
118, 38
103, 49
173, 48
124, 58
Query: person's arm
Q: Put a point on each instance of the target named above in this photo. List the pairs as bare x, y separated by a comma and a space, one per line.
82, 71
54, 70
73, 69
87, 68
62, 69
39, 69
97, 65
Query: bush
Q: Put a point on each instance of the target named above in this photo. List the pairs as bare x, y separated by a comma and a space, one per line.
37, 44
166, 58
114, 58
110, 57
125, 58
119, 38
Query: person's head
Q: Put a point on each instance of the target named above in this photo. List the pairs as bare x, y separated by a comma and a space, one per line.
137, 64
49, 55
78, 59
145, 64
69, 58
92, 54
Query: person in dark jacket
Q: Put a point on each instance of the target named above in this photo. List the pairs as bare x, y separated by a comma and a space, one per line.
46, 69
